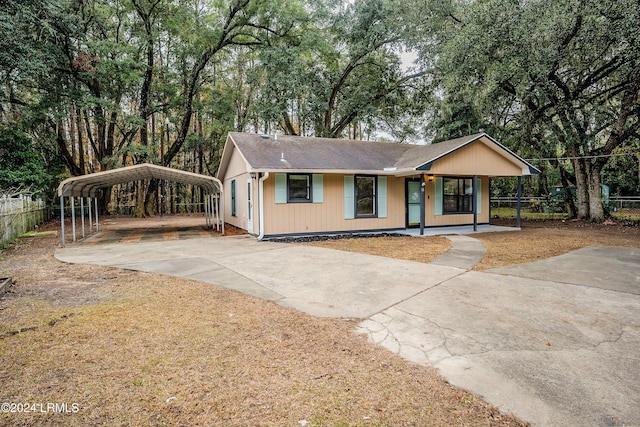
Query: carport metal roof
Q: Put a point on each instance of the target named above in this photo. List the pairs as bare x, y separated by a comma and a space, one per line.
88, 185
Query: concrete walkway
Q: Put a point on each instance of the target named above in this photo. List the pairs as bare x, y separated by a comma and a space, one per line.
465, 252
556, 347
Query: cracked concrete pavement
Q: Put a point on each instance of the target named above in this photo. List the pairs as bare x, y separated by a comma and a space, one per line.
555, 342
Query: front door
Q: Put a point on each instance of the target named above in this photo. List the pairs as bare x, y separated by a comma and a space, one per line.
249, 207
413, 202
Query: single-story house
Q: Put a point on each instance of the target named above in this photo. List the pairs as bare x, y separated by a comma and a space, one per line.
277, 185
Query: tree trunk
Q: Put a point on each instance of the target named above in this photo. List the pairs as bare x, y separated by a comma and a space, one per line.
150, 199
103, 201
80, 142
596, 209
568, 196
582, 186
139, 209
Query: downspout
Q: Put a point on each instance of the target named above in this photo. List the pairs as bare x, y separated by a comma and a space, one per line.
474, 195
422, 204
518, 204
261, 203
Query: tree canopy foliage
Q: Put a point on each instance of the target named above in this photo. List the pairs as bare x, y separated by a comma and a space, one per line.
103, 83
559, 79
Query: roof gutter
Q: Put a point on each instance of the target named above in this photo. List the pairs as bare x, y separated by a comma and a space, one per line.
261, 181
381, 172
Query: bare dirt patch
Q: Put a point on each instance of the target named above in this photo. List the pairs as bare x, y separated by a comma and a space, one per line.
421, 249
535, 241
132, 348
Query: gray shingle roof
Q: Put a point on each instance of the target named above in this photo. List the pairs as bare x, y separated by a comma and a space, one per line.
315, 153
286, 152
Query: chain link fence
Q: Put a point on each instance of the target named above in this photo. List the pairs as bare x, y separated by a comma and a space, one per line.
617, 206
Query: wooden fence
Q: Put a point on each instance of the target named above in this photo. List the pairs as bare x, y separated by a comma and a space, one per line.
18, 216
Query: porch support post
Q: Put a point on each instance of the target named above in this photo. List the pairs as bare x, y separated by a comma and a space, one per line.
518, 203
82, 214
422, 204
96, 209
62, 219
475, 202
73, 218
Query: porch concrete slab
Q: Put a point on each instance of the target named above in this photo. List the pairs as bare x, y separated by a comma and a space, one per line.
455, 230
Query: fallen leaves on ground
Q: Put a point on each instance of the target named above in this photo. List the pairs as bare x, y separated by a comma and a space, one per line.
132, 348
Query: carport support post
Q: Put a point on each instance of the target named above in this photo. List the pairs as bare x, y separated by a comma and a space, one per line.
213, 212
62, 219
221, 211
90, 217
518, 203
210, 202
82, 213
96, 208
206, 211
216, 212
422, 207
475, 202
73, 218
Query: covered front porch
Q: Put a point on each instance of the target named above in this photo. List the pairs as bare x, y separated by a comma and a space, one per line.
455, 230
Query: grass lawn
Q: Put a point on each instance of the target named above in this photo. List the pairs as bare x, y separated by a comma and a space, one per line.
623, 214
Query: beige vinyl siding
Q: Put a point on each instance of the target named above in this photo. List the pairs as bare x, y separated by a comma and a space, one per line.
237, 170
328, 216
475, 159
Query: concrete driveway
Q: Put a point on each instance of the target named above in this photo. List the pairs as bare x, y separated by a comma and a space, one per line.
555, 342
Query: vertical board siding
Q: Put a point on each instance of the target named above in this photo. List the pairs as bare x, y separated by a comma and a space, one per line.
329, 216
475, 159
236, 170
479, 196
289, 218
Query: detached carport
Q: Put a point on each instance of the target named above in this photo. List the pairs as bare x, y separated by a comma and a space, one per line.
87, 186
